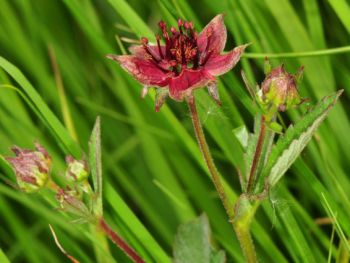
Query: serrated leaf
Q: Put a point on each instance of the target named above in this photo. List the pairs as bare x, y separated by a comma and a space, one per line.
289, 147
192, 243
96, 166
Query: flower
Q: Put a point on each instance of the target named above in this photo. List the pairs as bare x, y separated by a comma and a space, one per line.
31, 167
187, 61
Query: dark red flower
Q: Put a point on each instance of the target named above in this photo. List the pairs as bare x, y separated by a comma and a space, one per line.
187, 60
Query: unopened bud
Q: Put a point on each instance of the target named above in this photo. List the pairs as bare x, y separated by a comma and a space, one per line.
77, 170
280, 89
31, 167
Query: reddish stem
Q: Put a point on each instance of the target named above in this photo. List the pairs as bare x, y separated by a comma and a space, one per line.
117, 240
257, 155
215, 176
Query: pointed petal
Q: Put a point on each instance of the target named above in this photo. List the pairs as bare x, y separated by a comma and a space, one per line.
213, 36
213, 92
220, 64
139, 51
144, 71
182, 85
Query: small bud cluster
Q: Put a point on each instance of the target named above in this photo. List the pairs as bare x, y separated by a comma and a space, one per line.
32, 169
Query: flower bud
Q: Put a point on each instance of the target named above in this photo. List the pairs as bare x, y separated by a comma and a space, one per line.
77, 171
279, 89
31, 167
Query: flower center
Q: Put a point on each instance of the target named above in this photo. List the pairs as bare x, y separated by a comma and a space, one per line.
181, 50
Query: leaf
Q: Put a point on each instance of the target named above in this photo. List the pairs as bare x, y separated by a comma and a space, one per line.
242, 136
192, 243
55, 126
7, 168
3, 257
289, 147
333, 215
218, 257
96, 166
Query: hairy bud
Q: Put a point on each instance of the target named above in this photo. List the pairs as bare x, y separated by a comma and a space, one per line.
279, 89
77, 170
32, 167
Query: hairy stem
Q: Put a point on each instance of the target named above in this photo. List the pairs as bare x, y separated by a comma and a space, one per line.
241, 221
245, 208
215, 176
257, 155
246, 243
116, 239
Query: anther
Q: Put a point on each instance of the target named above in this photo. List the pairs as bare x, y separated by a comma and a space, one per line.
180, 24
159, 48
144, 41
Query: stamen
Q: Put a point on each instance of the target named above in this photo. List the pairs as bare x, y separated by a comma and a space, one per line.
163, 27
180, 24
159, 48
173, 30
144, 42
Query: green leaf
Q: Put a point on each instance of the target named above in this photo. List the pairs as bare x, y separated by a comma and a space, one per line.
192, 243
218, 257
289, 147
56, 127
96, 166
333, 216
7, 168
3, 257
242, 136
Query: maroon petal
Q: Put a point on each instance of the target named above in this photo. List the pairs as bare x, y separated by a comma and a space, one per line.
182, 85
139, 51
145, 71
213, 36
220, 64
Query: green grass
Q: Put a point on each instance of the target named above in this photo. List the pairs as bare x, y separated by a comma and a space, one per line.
154, 175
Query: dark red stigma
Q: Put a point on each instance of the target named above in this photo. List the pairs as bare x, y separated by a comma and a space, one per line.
181, 48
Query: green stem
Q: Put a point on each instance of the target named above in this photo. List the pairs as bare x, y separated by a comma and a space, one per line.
244, 214
215, 176
240, 221
315, 53
246, 243
101, 247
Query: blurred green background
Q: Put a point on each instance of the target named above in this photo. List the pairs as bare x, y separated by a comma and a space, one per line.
154, 175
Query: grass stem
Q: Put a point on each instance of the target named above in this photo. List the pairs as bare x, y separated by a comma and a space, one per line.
315, 53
